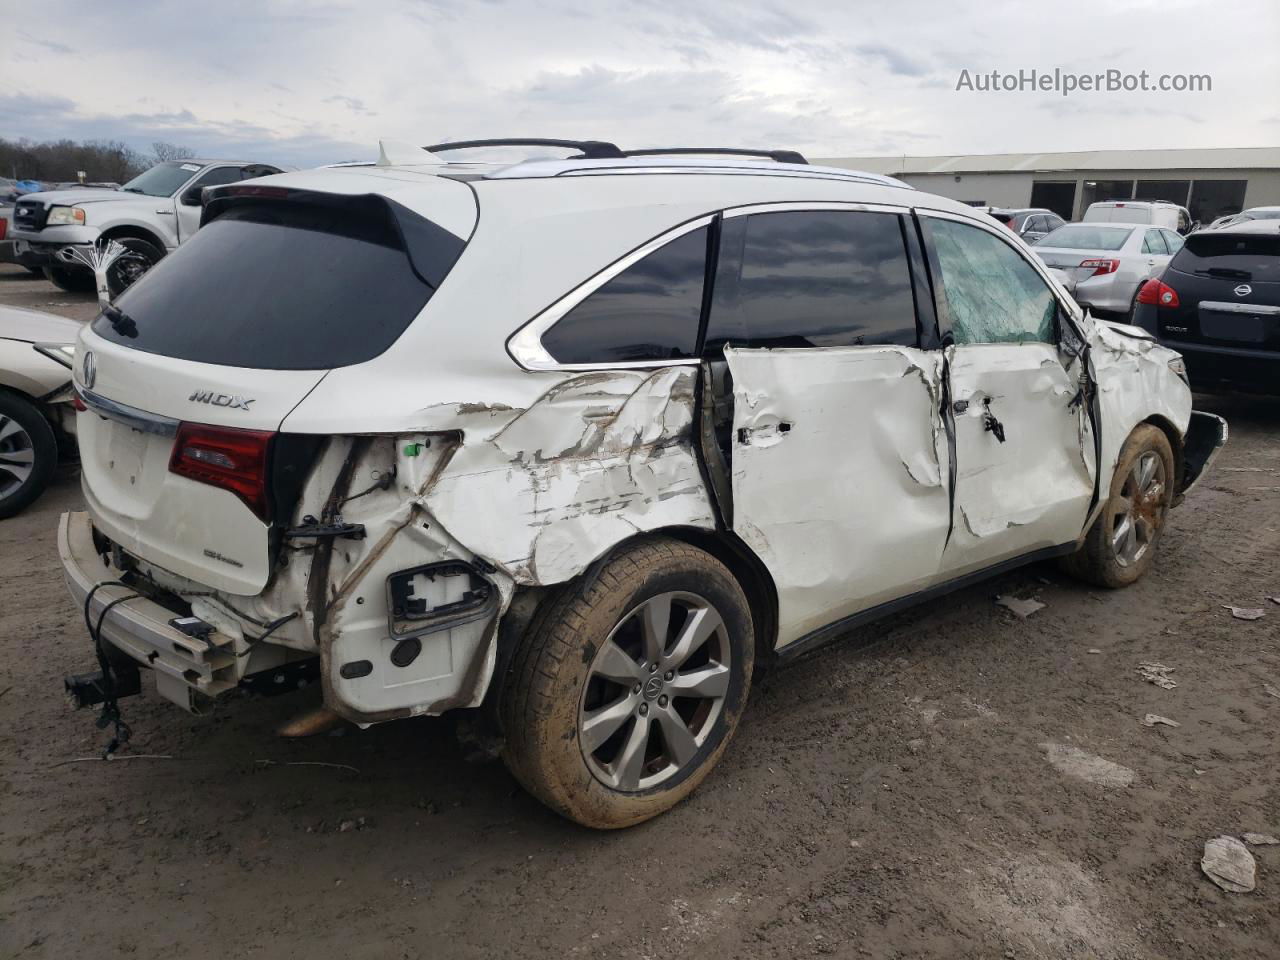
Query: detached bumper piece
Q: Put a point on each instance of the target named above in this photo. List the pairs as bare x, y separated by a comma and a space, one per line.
1206, 436
188, 669
90, 689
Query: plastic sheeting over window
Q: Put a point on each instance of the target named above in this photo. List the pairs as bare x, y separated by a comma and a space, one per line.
989, 293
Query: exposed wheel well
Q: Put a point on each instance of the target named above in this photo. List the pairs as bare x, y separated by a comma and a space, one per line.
137, 233
1175, 443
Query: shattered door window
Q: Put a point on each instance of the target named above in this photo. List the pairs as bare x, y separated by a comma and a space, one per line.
989, 292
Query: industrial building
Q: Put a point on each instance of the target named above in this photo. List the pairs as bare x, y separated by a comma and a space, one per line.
1209, 182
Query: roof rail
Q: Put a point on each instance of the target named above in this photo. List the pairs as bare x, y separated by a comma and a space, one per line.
780, 156
590, 149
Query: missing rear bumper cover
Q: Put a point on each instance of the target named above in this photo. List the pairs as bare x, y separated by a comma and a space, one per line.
437, 596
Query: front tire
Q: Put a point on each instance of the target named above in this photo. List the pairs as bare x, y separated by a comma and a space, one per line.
1121, 545
629, 685
28, 454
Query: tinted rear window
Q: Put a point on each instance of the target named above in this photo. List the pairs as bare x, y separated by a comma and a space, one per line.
1235, 254
287, 287
812, 279
1079, 237
650, 311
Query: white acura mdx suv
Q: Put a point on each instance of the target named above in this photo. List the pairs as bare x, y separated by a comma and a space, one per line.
585, 440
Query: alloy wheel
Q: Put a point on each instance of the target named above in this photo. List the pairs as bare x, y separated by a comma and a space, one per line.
1139, 510
655, 691
17, 456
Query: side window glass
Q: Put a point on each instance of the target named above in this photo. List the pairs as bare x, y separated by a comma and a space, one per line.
813, 278
1173, 240
650, 311
989, 293
218, 176
1153, 242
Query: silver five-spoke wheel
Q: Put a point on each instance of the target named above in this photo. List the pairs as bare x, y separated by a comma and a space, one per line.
17, 455
654, 691
1140, 509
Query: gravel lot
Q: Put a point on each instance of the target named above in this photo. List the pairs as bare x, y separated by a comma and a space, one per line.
926, 788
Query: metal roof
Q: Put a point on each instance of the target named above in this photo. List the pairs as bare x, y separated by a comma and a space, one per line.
1212, 158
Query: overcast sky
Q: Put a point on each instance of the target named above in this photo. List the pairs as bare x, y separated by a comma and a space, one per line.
308, 83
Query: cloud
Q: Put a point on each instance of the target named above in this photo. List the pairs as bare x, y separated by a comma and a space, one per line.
310, 81
894, 60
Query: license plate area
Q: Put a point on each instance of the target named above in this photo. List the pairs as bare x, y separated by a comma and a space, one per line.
1236, 326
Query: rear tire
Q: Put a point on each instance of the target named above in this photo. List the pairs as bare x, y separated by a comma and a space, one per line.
629, 684
70, 280
140, 256
28, 453
1121, 545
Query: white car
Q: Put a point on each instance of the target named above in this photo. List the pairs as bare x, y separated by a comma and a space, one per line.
582, 441
37, 423
150, 216
1253, 213
1106, 263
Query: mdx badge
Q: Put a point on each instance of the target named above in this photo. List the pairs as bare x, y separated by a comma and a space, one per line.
220, 399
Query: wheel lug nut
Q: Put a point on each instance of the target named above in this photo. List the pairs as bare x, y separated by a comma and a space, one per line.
669, 674
662, 700
644, 708
653, 668
636, 688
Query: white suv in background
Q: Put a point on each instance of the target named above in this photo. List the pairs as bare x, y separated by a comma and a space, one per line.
1150, 212
583, 441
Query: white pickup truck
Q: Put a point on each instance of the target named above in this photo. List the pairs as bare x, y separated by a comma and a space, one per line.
150, 216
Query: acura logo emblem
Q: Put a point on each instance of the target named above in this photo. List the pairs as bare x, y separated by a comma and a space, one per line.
89, 370
1243, 290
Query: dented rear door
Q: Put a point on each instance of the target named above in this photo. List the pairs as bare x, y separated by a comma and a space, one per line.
838, 452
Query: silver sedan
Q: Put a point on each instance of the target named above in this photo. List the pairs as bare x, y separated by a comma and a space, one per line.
1106, 263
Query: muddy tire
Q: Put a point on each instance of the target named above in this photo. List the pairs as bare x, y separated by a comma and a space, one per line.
1121, 544
629, 684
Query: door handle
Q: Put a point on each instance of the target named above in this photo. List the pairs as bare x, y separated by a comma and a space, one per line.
990, 423
779, 431
164, 213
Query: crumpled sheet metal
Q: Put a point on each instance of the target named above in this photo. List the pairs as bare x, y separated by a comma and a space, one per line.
597, 458
1134, 382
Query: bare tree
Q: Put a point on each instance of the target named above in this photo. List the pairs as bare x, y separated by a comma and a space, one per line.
162, 151
60, 160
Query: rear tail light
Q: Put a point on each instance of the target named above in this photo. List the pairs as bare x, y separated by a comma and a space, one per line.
4, 227
1101, 267
1158, 294
227, 458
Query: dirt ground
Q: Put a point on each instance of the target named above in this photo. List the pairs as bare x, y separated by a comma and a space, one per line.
927, 787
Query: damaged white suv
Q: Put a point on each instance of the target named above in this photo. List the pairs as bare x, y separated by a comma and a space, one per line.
585, 441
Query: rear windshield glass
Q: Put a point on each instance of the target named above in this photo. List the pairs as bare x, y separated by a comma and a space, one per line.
285, 287
1234, 256
1075, 236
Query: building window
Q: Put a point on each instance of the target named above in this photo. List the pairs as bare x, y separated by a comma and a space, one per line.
1170, 191
1099, 190
1211, 199
1056, 195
